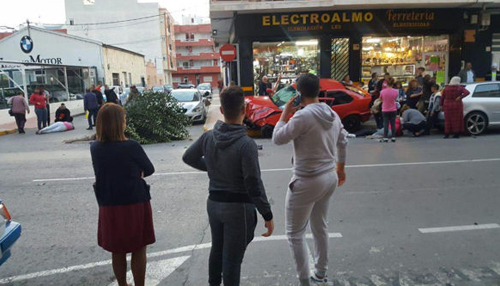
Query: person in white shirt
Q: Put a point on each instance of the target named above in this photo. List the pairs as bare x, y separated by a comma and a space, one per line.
319, 144
467, 75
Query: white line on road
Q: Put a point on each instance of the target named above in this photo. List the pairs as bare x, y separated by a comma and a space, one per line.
150, 255
459, 228
289, 169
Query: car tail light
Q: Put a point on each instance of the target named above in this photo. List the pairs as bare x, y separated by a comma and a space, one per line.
4, 212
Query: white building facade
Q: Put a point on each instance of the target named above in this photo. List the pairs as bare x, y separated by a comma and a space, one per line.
139, 27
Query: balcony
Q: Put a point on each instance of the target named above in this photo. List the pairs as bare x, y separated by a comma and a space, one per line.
197, 70
200, 43
200, 56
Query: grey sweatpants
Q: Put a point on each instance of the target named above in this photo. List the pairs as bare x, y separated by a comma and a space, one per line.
308, 199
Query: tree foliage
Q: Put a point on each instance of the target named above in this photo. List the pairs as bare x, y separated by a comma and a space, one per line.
155, 117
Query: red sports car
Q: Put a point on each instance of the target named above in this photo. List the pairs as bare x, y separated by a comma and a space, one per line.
351, 104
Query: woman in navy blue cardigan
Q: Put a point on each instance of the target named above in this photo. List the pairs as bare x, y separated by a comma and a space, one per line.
125, 216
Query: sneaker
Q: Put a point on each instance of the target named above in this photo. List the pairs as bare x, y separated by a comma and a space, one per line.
317, 279
384, 140
393, 139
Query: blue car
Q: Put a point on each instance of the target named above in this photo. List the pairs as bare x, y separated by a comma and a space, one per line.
10, 231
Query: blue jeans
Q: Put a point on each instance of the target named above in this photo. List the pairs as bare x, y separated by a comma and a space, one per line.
41, 116
232, 226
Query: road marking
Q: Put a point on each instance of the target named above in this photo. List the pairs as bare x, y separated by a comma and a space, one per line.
158, 270
150, 255
459, 228
289, 169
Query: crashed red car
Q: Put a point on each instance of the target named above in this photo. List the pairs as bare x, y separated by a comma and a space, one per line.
349, 102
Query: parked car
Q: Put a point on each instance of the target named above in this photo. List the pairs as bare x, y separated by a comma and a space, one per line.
185, 85
194, 105
351, 104
481, 107
205, 87
158, 88
168, 88
10, 232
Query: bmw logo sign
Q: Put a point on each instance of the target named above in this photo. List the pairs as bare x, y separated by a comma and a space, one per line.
26, 44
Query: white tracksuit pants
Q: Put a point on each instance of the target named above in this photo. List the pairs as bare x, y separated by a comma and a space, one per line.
308, 199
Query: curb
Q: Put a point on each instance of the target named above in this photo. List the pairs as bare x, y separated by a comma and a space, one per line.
7, 132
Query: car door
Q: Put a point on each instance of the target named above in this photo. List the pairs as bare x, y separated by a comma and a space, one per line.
338, 100
486, 97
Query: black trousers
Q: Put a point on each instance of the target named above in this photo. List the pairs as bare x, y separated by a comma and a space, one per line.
415, 127
92, 115
431, 122
232, 226
390, 117
20, 120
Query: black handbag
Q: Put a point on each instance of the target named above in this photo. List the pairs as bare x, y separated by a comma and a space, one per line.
10, 112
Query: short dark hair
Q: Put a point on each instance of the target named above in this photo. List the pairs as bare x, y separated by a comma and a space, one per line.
436, 86
390, 82
421, 68
308, 85
232, 100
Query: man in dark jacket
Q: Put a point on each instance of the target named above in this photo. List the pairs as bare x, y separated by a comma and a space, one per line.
263, 86
63, 114
98, 95
230, 157
90, 105
110, 94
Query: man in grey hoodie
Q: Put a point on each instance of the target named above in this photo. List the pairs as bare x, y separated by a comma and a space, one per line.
231, 159
319, 144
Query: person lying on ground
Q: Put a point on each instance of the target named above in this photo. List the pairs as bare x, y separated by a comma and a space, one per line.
60, 126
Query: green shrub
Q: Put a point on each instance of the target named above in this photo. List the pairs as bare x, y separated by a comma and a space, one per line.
155, 117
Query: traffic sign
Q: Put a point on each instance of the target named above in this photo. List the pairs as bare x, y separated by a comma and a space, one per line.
228, 52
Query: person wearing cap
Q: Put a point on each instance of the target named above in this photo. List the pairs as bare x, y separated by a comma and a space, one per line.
63, 114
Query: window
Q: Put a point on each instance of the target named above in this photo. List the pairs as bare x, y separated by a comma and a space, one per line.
192, 37
71, 21
187, 36
170, 46
215, 62
116, 79
185, 65
337, 98
163, 38
185, 79
487, 90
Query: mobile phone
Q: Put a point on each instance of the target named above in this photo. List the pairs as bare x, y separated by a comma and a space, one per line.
297, 100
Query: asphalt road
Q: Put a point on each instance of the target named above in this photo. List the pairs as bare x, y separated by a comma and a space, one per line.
379, 219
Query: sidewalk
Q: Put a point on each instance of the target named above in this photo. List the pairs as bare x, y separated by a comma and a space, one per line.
214, 113
8, 123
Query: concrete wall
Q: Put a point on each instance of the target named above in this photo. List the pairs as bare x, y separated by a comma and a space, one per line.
119, 61
141, 36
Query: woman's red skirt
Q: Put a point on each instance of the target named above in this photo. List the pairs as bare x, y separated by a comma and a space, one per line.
125, 229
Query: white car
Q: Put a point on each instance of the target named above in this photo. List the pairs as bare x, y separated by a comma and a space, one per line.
481, 107
204, 88
195, 106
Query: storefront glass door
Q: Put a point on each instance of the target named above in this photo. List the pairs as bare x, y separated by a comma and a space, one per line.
340, 58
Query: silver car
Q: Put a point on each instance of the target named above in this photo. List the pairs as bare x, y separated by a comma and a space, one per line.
195, 106
481, 107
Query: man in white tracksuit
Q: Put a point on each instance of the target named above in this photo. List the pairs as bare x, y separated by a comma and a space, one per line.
319, 144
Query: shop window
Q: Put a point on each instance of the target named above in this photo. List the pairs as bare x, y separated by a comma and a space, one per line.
116, 79
288, 59
402, 56
487, 90
333, 98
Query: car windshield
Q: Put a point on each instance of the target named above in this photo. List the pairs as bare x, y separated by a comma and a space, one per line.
186, 95
157, 88
203, 87
283, 96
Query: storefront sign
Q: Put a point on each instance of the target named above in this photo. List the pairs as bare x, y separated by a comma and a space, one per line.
26, 44
38, 59
372, 21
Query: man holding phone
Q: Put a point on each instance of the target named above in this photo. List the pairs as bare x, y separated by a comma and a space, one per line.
319, 142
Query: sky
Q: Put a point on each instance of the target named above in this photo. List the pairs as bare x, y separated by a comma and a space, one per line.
15, 12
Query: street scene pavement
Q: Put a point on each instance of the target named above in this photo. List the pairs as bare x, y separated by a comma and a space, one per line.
421, 211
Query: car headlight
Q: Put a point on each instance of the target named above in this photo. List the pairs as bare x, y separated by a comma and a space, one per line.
197, 109
4, 212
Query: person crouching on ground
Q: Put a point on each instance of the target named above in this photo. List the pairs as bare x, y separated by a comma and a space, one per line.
320, 142
125, 217
19, 108
413, 121
453, 107
63, 114
230, 157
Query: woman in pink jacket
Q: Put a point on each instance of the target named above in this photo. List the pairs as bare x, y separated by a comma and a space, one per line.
19, 108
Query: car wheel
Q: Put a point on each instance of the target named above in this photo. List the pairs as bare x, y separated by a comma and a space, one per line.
352, 123
267, 131
476, 123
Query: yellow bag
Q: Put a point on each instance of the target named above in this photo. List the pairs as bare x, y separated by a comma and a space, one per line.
86, 114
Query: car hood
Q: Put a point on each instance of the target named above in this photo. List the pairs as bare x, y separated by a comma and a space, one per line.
188, 105
260, 107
